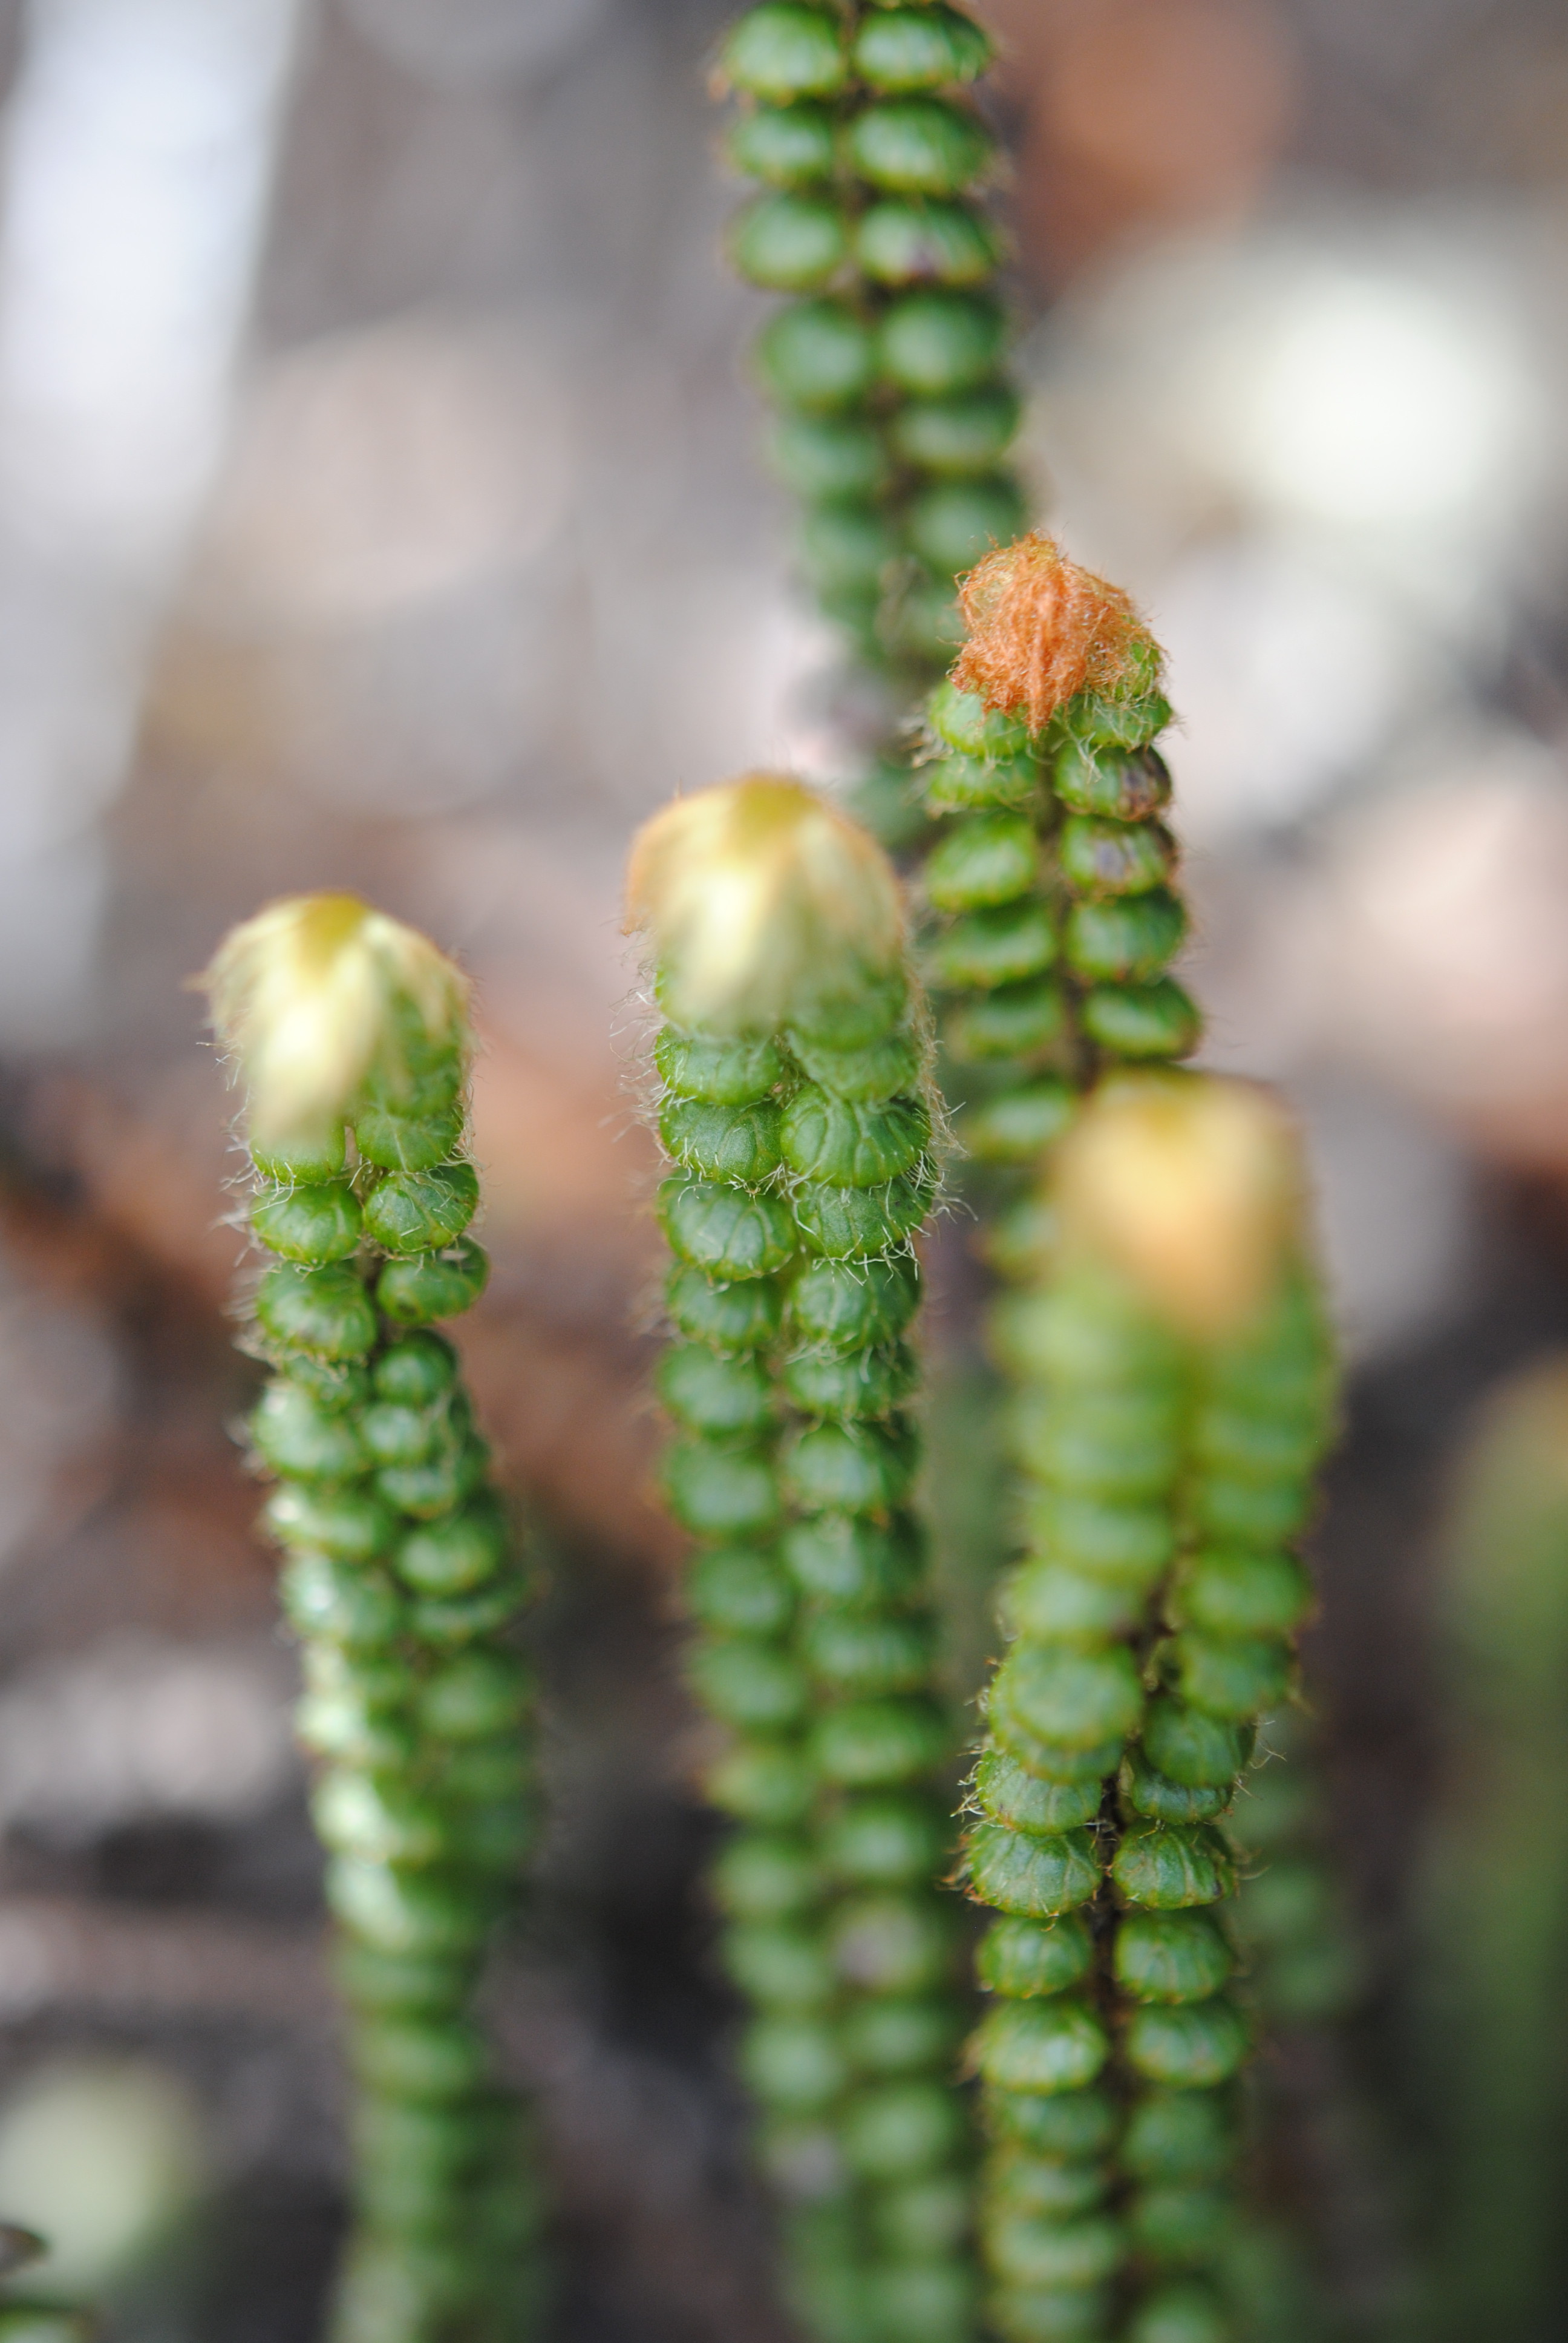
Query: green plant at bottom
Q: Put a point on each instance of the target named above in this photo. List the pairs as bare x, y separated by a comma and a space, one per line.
795, 1102
351, 1034
22, 2321
1173, 1386
44, 2322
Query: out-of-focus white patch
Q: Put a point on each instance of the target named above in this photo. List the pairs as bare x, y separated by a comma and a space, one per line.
138, 139
1378, 381
135, 171
1290, 672
139, 1728
101, 2157
1371, 393
1325, 455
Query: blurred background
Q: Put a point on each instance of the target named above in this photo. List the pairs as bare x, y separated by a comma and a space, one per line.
380, 508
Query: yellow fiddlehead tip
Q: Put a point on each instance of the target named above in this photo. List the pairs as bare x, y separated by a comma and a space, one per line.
317, 991
758, 900
1193, 1186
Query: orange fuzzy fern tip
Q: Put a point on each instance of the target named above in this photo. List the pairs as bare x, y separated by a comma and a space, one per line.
1041, 630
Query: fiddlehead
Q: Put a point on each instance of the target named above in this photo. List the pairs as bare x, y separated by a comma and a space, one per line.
895, 411
796, 1104
1052, 874
1044, 972
1172, 1392
1260, 1383
400, 1580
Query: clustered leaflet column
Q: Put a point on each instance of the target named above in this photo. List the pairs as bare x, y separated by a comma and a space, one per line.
1051, 873
1260, 1402
805, 1155
401, 1582
1097, 1424
1169, 1449
896, 412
